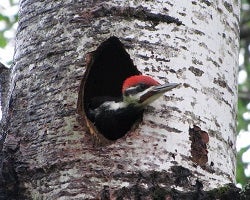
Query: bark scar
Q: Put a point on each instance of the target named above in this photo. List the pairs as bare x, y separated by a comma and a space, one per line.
199, 139
139, 12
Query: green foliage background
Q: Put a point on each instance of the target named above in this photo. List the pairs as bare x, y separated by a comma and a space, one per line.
244, 88
7, 21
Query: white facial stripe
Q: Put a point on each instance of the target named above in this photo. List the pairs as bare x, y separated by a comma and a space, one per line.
136, 97
131, 88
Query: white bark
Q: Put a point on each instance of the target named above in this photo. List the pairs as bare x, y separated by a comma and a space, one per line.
190, 42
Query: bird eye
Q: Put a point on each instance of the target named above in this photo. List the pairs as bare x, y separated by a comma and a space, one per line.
142, 87
126, 92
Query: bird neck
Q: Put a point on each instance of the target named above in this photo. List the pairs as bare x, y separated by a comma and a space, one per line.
130, 100
112, 105
122, 104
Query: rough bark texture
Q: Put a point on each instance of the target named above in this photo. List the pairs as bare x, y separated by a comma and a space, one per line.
49, 155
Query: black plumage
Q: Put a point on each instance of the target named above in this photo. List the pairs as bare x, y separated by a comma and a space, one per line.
112, 123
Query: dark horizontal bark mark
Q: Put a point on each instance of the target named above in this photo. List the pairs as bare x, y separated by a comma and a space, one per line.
214, 62
178, 176
152, 124
198, 32
228, 6
181, 175
196, 61
196, 71
229, 191
208, 3
223, 84
158, 186
138, 13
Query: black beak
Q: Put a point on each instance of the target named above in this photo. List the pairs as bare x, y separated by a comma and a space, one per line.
164, 88
157, 91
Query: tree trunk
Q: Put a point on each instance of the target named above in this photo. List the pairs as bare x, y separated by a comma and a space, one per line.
186, 139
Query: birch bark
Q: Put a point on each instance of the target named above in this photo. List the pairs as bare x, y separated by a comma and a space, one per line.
187, 135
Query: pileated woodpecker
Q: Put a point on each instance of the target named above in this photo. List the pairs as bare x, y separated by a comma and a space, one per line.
114, 116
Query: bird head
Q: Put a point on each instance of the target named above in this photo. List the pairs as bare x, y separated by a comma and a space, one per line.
142, 90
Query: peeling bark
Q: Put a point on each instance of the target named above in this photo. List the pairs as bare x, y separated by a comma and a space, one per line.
47, 152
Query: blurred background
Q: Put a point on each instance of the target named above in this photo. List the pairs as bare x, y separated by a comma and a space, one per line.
8, 26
